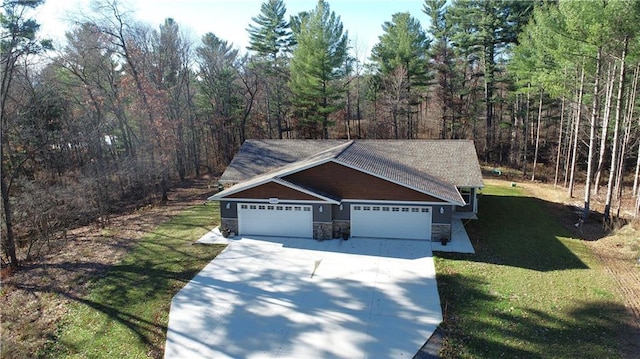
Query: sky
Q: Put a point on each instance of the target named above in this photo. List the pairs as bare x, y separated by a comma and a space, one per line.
229, 19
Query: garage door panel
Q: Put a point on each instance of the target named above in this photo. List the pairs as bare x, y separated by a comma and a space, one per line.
275, 220
377, 221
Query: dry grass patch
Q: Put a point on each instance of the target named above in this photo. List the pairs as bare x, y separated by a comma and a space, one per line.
35, 300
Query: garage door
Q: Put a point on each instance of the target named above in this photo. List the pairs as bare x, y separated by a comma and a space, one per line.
391, 221
275, 220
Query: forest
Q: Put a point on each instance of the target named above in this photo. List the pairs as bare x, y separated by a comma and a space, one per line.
123, 109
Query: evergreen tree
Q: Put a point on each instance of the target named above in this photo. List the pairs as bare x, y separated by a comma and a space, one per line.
448, 80
485, 29
17, 42
270, 36
219, 90
271, 39
404, 45
317, 67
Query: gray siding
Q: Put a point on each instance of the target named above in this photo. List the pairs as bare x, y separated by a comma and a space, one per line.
437, 217
343, 214
325, 215
472, 199
231, 212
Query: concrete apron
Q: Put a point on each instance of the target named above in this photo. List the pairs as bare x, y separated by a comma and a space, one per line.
294, 298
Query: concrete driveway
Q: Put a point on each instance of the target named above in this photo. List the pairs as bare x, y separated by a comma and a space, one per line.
300, 298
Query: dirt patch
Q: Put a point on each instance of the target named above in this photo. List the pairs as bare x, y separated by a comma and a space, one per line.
34, 300
613, 254
615, 249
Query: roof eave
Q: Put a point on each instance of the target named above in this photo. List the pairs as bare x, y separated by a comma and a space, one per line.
307, 191
220, 196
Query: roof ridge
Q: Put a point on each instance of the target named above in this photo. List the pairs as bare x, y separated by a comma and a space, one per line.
328, 151
348, 144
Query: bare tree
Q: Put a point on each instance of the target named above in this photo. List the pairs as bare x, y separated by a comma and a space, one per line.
616, 130
560, 133
576, 133
537, 144
605, 126
18, 43
396, 94
595, 110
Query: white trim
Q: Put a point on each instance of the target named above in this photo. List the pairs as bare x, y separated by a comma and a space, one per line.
392, 221
283, 172
475, 200
473, 195
386, 202
294, 187
276, 180
402, 184
289, 220
231, 190
281, 201
280, 172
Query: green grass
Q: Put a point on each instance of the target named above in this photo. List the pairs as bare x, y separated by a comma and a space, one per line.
126, 313
530, 291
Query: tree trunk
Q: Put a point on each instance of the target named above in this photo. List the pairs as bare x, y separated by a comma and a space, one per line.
630, 112
535, 153
623, 151
592, 134
513, 148
616, 130
637, 209
605, 126
8, 66
555, 178
637, 175
489, 74
574, 155
525, 142
9, 240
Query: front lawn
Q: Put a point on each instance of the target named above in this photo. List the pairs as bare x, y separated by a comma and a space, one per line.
126, 313
530, 291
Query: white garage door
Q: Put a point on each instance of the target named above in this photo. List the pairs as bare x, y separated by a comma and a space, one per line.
391, 221
275, 220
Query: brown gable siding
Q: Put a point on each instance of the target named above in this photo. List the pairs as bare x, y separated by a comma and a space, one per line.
344, 182
271, 189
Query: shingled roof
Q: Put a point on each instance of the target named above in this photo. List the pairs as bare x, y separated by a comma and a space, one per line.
449, 161
360, 157
260, 156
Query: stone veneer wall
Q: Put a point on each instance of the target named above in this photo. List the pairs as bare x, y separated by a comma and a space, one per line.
322, 230
229, 223
341, 226
439, 231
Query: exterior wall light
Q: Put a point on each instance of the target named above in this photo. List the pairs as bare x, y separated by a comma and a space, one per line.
441, 210
228, 205
320, 209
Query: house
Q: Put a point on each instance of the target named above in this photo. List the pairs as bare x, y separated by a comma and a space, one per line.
323, 189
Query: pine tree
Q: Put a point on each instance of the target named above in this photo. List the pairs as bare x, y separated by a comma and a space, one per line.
18, 41
271, 40
317, 67
447, 78
404, 45
484, 29
271, 35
